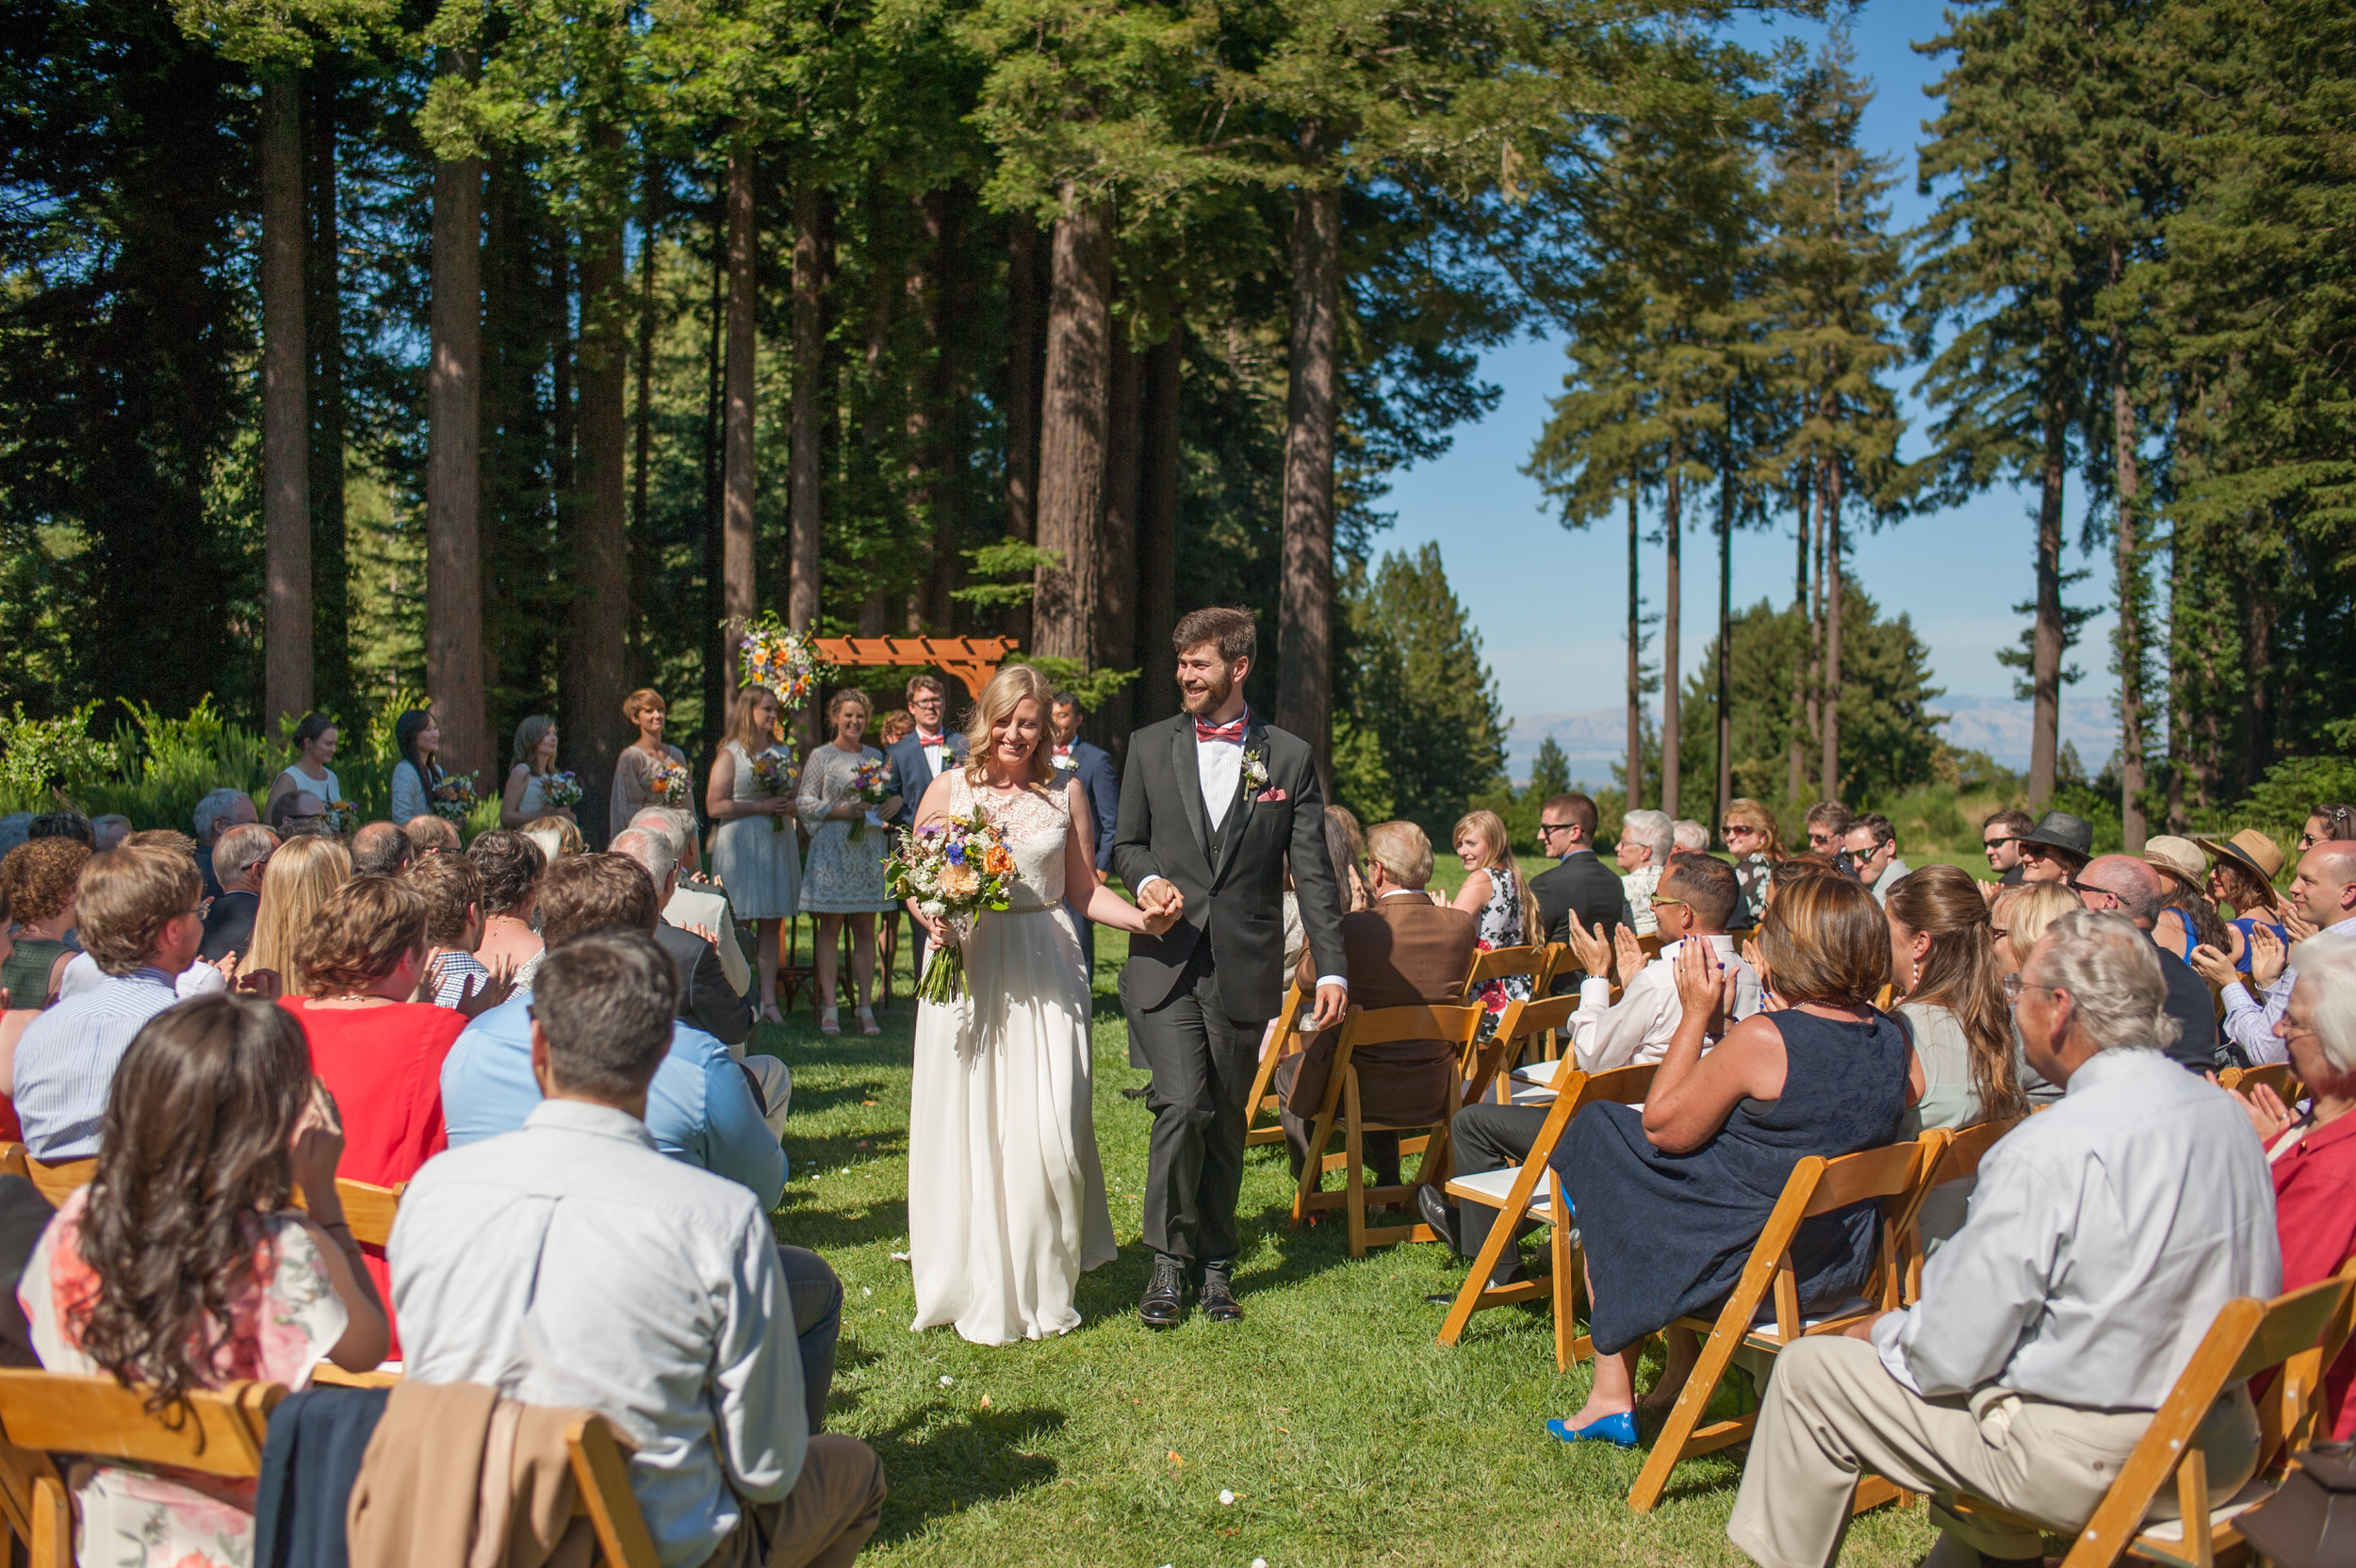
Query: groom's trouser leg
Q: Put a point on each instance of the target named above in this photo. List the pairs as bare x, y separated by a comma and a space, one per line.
1202, 1064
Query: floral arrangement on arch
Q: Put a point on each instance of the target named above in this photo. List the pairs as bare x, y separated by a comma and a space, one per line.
773, 654
956, 870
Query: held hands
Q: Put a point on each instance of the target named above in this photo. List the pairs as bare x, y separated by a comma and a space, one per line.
937, 930
2213, 966
1161, 896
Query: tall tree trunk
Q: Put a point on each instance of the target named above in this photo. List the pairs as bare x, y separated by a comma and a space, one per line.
1304, 695
286, 412
600, 599
931, 265
453, 477
1635, 792
2045, 655
719, 644
1116, 597
2129, 551
1799, 655
1816, 622
1157, 532
1673, 593
643, 559
1024, 375
1829, 770
1724, 672
331, 596
2257, 676
738, 598
806, 473
1076, 411
2179, 688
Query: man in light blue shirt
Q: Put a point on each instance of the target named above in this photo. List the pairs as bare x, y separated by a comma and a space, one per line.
700, 1107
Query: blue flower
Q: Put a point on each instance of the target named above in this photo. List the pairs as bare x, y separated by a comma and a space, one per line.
956, 855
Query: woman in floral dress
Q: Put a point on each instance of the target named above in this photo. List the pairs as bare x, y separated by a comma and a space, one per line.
187, 1207
843, 878
1495, 892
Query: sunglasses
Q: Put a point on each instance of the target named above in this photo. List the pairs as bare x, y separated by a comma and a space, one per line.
1998, 843
1660, 903
1730, 830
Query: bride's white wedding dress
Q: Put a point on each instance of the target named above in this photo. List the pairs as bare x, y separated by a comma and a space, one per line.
1005, 1191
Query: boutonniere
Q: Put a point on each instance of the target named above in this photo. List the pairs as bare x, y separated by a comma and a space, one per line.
1255, 772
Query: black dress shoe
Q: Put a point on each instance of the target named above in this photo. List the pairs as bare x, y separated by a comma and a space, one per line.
1165, 1300
1137, 1093
1218, 1292
1437, 1215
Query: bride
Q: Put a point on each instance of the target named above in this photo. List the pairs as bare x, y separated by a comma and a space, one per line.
1005, 1193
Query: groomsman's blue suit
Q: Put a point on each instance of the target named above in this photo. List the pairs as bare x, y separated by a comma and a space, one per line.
914, 766
1093, 766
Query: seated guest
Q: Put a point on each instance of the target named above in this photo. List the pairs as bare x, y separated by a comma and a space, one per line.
705, 998
304, 872
142, 922
40, 875
2188, 919
82, 973
108, 832
1647, 839
516, 1257
1579, 887
2323, 896
452, 890
1694, 900
381, 849
2105, 1237
431, 835
2242, 877
2055, 847
13, 829
2313, 1157
1404, 952
1999, 837
293, 807
510, 865
238, 861
556, 836
2325, 822
1498, 900
702, 1109
63, 825
1671, 1198
1692, 837
217, 813
1757, 844
1827, 825
1871, 843
2022, 914
186, 1263
2125, 884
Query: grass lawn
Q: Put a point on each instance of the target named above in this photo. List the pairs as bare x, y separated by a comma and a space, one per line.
1345, 1431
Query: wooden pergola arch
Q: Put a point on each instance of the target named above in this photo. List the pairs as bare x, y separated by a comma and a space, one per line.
972, 660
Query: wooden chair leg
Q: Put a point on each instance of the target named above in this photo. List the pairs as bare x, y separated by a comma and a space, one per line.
1320, 1134
1677, 1436
1355, 1174
1566, 1260
2192, 1501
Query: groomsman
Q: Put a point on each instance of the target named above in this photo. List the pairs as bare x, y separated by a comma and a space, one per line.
1093, 766
918, 758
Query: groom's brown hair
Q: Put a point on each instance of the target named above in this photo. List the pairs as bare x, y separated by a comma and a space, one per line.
1232, 630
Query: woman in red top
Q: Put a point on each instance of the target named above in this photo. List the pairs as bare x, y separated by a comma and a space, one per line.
377, 1052
2313, 1157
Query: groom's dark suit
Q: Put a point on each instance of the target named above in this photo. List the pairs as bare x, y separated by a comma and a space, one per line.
1199, 994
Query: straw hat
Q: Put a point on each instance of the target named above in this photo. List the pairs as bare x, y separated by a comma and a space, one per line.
2179, 858
2254, 850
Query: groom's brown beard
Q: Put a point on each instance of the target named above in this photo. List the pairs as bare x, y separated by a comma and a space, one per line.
1210, 697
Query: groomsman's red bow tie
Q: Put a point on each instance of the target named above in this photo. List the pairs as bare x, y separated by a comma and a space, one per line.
932, 740
1220, 731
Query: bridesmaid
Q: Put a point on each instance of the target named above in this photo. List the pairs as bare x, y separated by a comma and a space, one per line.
633, 786
420, 739
755, 851
844, 878
315, 748
535, 759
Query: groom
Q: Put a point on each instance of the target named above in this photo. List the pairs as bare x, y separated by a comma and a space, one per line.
1212, 802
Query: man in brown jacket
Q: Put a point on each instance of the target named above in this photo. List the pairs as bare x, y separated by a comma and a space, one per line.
1404, 951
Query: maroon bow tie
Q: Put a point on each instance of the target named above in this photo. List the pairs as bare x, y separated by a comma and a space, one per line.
925, 739
1220, 731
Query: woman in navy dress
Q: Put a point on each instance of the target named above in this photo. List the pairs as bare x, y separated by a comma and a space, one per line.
1672, 1198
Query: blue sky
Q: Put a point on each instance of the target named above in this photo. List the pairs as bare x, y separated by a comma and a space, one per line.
1549, 601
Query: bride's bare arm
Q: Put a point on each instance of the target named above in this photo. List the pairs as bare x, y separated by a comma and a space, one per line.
1090, 897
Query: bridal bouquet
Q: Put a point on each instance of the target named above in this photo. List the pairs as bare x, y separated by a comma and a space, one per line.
342, 817
872, 782
561, 791
454, 797
666, 779
777, 656
776, 777
956, 870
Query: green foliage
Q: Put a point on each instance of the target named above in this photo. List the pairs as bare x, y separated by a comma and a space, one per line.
1550, 771
1417, 685
1094, 688
40, 757
1007, 568
1361, 782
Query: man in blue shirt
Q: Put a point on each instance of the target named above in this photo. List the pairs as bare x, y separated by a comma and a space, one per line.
700, 1107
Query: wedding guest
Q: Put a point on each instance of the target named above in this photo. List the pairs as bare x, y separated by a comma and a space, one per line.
2323, 895
12, 1021
515, 1253
2187, 916
142, 920
705, 998
2242, 875
1100, 781
2054, 847
294, 813
2055, 1323
431, 835
238, 862
1756, 845
2326, 822
1999, 837
649, 772
417, 736
314, 741
1825, 1074
382, 849
510, 865
1871, 844
703, 1109
755, 851
1580, 887
557, 837
1693, 837
2313, 1159
217, 813
1828, 823
187, 1261
1495, 894
68, 824
844, 881
2022, 914
2125, 884
918, 758
1647, 839
1346, 846
82, 973
520, 800
108, 832
893, 727
452, 890
40, 877
302, 875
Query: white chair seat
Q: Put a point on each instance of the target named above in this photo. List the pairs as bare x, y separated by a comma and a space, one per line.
1538, 1073
1853, 1307
1493, 1188
2249, 1497
1533, 1094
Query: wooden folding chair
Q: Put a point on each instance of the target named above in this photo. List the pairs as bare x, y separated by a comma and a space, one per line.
2249, 1336
57, 1181
1531, 1191
2278, 1076
1503, 963
368, 1209
1454, 1026
601, 1482
1896, 1176
1283, 1044
1958, 1162
1485, 1063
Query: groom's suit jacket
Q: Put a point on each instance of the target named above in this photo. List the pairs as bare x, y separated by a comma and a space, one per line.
1234, 880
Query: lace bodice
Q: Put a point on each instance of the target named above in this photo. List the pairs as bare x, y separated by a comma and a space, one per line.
1037, 827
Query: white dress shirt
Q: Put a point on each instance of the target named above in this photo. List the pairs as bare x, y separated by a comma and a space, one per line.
1637, 1030
572, 1263
2104, 1236
2249, 1023
82, 973
1219, 764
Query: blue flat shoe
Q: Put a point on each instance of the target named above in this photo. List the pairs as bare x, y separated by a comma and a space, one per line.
1619, 1431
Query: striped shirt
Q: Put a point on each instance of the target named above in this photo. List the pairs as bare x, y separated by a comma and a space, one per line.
65, 1063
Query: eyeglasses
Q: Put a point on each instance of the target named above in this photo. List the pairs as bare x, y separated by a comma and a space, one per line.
1547, 829
2034, 852
1660, 903
2014, 985
1730, 830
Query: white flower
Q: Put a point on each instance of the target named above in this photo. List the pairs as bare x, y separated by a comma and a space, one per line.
1255, 772
1226, 1496
934, 907
946, 1380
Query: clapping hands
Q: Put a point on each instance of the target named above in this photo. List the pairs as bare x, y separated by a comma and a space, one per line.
2213, 965
1705, 986
1592, 950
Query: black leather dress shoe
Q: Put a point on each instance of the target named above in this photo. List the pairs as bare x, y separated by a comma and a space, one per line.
1165, 1300
1437, 1215
1218, 1292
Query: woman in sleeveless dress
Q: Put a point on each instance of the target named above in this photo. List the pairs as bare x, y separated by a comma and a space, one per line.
315, 748
1006, 1192
1672, 1198
1495, 892
419, 738
755, 851
521, 802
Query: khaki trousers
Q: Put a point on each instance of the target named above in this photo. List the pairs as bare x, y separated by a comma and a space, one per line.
1832, 1411
833, 1509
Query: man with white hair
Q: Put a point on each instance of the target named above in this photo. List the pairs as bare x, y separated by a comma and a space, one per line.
705, 998
2105, 1237
216, 814
2323, 895
1647, 839
1693, 837
238, 861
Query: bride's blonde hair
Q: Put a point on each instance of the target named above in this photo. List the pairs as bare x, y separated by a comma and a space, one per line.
1000, 698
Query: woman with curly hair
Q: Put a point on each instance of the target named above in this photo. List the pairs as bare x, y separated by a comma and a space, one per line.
186, 1264
39, 877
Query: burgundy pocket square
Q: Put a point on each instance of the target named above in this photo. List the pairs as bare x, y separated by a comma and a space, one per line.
1267, 795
